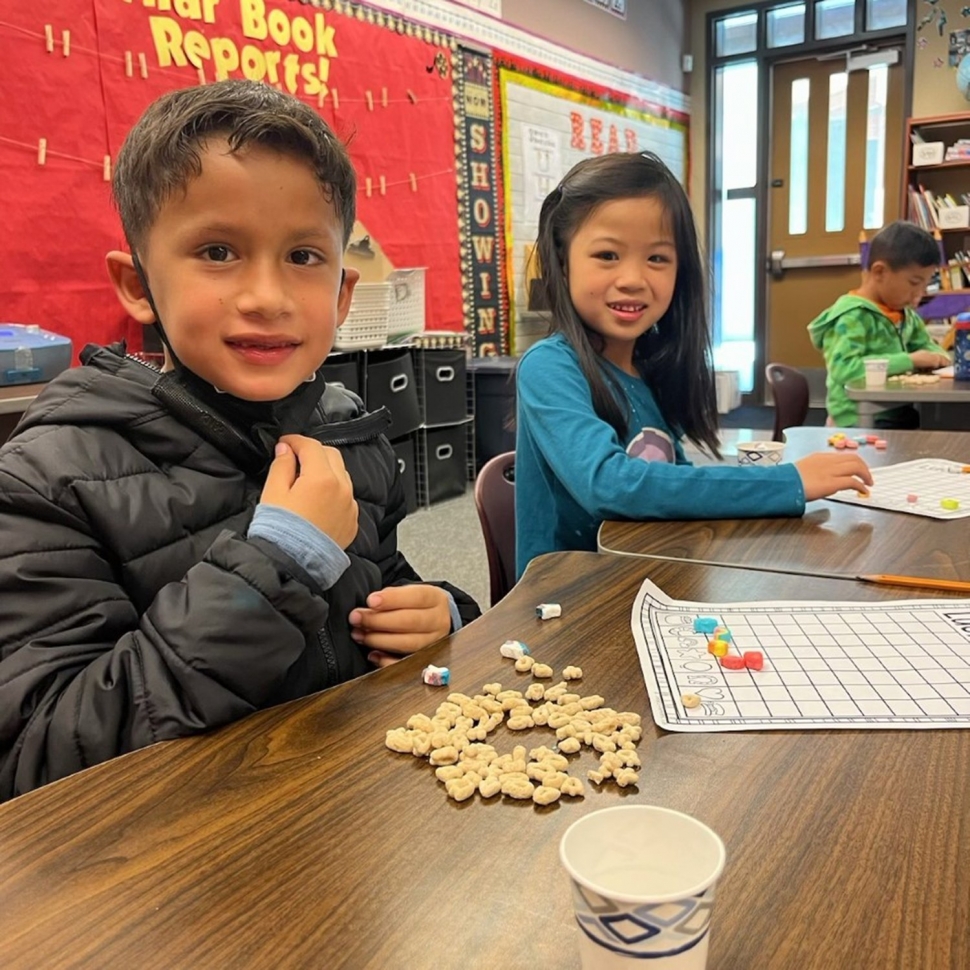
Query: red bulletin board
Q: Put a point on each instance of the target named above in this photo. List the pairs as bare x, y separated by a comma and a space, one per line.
376, 79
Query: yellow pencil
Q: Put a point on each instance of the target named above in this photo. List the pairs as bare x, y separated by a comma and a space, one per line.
918, 582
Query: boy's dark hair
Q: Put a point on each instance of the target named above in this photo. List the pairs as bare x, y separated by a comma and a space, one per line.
162, 151
902, 244
674, 355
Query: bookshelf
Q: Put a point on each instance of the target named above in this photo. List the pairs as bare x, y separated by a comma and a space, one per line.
936, 195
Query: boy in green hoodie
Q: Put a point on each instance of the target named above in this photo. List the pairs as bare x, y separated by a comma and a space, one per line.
878, 320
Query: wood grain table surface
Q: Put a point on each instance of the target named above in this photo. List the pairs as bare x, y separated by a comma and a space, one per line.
295, 839
831, 536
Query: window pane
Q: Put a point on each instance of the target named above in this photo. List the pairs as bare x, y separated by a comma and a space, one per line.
881, 14
835, 168
834, 18
738, 125
798, 169
737, 34
734, 291
786, 25
875, 193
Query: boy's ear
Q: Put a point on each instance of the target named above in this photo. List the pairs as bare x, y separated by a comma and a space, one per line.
878, 269
131, 295
347, 284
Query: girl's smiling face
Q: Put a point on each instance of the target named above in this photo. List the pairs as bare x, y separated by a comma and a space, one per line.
622, 270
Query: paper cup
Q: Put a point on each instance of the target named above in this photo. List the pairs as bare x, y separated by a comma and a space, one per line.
643, 883
876, 369
760, 452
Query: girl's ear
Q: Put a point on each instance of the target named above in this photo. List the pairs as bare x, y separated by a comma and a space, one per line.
128, 288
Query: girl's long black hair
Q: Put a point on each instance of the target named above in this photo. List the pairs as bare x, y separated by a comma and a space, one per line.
673, 356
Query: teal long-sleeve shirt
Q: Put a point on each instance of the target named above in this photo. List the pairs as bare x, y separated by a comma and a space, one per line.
572, 471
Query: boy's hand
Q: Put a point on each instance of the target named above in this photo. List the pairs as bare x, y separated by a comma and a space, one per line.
400, 620
929, 359
310, 479
822, 474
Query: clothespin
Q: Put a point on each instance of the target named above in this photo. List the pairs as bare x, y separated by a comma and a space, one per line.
42, 151
383, 97
143, 65
413, 179
66, 42
368, 186
383, 186
49, 38
106, 168
336, 99
412, 97
370, 100
128, 70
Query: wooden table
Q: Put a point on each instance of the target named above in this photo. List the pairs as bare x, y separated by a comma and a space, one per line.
294, 839
831, 536
944, 405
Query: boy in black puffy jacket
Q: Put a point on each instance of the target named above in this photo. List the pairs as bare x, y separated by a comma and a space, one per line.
180, 549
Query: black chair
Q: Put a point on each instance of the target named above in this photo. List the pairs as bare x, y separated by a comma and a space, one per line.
495, 501
789, 388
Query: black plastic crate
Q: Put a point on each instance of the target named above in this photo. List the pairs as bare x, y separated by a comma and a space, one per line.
445, 461
443, 380
343, 369
390, 383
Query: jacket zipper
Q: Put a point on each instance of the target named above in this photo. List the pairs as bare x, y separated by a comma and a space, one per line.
357, 430
329, 655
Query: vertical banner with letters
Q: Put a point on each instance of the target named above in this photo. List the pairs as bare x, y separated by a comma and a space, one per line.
484, 293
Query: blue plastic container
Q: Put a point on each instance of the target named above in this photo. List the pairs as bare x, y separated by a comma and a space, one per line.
961, 348
29, 355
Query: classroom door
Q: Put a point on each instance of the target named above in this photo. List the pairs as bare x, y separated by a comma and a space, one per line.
834, 170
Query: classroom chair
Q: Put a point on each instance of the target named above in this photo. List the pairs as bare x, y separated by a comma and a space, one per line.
789, 388
495, 501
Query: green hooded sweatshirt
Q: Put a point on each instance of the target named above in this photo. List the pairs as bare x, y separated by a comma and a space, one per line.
853, 329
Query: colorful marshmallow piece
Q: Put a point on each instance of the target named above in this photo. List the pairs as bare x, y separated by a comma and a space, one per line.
705, 624
912, 498
852, 445
754, 659
949, 504
732, 662
723, 633
436, 676
513, 649
841, 444
871, 439
548, 611
717, 647
862, 439
880, 444
690, 700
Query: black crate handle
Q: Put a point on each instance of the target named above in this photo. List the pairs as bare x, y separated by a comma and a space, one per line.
444, 374
398, 383
443, 452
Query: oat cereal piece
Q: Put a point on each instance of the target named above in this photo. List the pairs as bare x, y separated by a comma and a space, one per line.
559, 720
564, 699
596, 777
460, 789
400, 741
591, 702
489, 787
524, 664
444, 756
541, 715
573, 787
542, 671
522, 723
534, 692
690, 700
626, 777
572, 673
421, 744
602, 743
449, 772
570, 745
492, 689
628, 717
554, 779
419, 722
544, 795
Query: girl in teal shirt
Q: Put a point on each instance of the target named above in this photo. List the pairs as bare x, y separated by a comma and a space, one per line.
605, 400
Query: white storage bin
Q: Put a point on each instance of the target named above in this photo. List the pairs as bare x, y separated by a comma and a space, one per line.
366, 324
406, 313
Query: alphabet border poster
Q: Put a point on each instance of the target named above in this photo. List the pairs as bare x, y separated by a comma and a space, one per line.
548, 122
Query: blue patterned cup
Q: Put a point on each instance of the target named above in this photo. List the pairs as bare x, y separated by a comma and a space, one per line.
643, 881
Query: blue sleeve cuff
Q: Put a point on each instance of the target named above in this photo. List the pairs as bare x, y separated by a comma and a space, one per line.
453, 610
302, 541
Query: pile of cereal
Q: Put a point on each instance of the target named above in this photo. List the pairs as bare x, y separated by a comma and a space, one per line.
453, 739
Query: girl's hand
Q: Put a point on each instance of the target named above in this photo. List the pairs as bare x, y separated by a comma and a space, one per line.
823, 473
400, 620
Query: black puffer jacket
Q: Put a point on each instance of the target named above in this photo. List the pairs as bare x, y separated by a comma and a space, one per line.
132, 608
